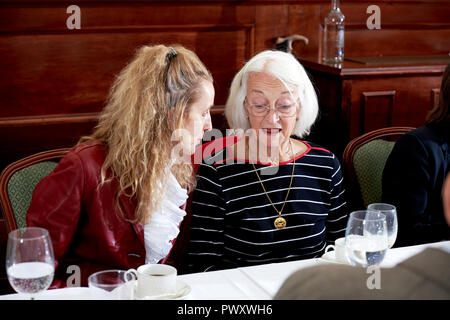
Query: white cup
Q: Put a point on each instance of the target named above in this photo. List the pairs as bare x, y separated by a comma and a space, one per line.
154, 280
339, 250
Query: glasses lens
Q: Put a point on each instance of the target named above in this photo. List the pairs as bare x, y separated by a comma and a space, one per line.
286, 110
261, 111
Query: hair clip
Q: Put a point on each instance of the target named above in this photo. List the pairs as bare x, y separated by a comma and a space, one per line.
172, 54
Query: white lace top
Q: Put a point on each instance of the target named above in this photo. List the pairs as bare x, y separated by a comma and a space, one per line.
163, 225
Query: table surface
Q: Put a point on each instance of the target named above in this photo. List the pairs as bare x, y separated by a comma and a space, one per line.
373, 66
247, 283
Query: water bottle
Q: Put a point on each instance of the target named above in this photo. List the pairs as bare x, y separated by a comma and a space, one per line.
333, 35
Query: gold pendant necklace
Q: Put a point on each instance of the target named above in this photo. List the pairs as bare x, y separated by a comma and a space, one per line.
280, 222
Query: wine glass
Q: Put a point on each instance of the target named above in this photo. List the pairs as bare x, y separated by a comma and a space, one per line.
366, 239
30, 263
391, 219
111, 285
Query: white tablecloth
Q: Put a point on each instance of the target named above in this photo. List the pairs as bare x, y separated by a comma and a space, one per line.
270, 277
248, 283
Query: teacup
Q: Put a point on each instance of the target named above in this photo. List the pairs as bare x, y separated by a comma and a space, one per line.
154, 280
339, 250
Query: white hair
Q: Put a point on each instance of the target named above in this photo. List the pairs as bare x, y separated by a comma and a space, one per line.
288, 70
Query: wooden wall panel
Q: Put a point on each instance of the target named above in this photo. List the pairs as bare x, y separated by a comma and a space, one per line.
376, 110
51, 74
407, 27
48, 70
53, 79
434, 97
306, 20
412, 100
271, 23
23, 136
386, 42
48, 15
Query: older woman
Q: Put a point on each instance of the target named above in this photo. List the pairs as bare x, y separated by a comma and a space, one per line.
113, 202
267, 196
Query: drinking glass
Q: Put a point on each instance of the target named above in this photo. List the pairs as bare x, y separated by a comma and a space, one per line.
366, 239
391, 219
30, 263
111, 285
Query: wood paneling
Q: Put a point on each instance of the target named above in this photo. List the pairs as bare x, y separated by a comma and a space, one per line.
52, 75
50, 72
32, 85
386, 42
305, 20
28, 135
23, 136
376, 110
359, 98
412, 99
434, 97
407, 27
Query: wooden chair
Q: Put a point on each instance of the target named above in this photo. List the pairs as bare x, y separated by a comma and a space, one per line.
364, 159
18, 180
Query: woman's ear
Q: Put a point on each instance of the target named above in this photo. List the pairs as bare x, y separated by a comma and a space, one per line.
297, 115
245, 109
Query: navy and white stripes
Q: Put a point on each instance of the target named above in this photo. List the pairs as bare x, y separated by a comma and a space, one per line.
232, 219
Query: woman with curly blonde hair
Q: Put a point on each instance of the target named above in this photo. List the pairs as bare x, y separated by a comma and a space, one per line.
117, 199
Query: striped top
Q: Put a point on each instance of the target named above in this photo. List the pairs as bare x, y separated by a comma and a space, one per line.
232, 222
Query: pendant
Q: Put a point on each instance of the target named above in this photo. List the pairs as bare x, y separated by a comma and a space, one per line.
280, 223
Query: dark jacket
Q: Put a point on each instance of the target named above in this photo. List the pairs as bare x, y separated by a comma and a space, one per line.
85, 224
412, 181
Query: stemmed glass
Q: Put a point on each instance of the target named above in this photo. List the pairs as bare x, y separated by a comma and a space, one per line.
391, 219
30, 262
366, 239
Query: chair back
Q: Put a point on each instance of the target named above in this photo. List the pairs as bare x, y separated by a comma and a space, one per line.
364, 159
17, 183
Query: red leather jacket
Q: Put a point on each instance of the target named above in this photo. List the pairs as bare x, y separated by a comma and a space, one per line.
83, 219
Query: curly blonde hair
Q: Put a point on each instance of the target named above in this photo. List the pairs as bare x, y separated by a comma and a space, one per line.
136, 127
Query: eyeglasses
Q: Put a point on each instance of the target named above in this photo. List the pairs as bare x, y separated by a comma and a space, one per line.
284, 110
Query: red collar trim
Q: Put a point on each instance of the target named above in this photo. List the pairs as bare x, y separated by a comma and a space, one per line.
267, 164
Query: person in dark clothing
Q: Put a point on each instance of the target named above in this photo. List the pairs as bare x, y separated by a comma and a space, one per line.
415, 172
423, 276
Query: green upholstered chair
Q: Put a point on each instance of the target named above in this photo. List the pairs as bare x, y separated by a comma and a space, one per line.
18, 181
364, 159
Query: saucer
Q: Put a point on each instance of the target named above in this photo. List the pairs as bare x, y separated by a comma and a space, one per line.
182, 291
331, 257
